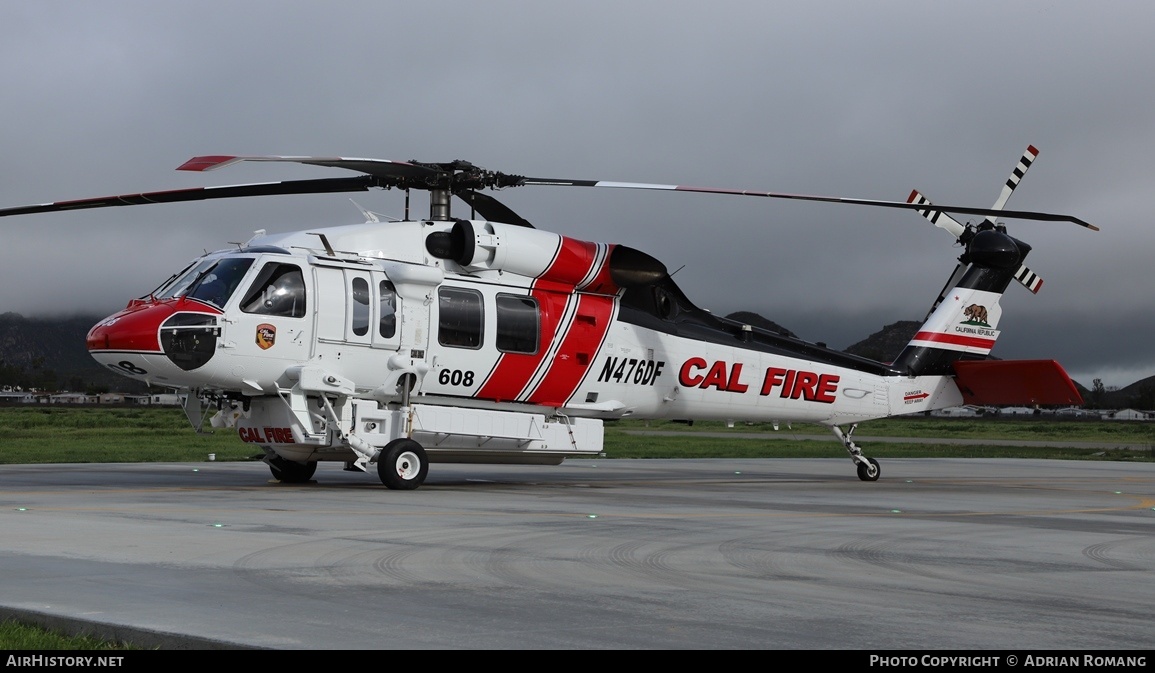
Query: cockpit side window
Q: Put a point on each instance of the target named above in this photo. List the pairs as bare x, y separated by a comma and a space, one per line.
461, 317
387, 326
518, 321
217, 284
279, 290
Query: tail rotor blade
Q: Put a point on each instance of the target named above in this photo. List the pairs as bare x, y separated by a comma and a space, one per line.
936, 217
1029, 279
1016, 175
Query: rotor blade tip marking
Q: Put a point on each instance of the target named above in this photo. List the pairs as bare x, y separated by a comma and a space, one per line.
205, 163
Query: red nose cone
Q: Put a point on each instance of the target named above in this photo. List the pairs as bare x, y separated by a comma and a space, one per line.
137, 328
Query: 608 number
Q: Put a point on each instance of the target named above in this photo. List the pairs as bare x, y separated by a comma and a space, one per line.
455, 377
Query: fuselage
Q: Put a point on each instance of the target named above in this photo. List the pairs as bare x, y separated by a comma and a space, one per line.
536, 320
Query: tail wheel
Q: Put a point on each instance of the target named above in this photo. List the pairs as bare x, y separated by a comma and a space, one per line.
402, 465
869, 472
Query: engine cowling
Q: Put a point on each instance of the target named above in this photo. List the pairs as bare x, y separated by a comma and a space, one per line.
570, 263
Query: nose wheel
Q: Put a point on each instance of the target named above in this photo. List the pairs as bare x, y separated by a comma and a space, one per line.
868, 468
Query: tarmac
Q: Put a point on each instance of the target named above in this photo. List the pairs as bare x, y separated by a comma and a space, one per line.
943, 554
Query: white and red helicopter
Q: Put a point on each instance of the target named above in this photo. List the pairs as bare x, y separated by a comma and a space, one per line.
485, 340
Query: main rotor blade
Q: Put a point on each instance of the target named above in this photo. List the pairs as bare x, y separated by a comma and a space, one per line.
986, 212
491, 209
936, 216
381, 168
319, 186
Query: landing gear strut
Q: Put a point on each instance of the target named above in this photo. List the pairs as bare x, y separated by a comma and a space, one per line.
868, 469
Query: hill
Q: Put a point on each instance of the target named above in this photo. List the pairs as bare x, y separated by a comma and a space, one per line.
886, 344
49, 354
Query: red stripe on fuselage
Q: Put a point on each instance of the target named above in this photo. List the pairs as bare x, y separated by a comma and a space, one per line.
514, 370
572, 263
577, 352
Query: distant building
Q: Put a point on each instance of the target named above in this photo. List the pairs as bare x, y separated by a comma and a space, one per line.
73, 398
959, 412
1127, 415
165, 399
16, 396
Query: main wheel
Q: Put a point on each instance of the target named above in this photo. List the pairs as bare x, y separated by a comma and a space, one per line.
402, 465
290, 471
869, 472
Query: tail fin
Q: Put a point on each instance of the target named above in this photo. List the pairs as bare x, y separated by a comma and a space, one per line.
964, 325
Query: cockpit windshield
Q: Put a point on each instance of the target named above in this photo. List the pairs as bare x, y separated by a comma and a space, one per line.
175, 286
212, 280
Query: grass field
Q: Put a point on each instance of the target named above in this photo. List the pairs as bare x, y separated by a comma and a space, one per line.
17, 636
60, 434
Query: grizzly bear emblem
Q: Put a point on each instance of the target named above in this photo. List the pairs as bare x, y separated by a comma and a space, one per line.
976, 315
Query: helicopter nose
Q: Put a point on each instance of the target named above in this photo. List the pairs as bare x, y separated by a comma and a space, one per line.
184, 331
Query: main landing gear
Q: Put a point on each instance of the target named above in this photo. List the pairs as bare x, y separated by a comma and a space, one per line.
402, 465
868, 469
290, 471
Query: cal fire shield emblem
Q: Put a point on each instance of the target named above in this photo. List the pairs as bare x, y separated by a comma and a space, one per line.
266, 335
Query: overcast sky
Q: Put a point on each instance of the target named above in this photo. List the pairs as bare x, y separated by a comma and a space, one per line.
842, 98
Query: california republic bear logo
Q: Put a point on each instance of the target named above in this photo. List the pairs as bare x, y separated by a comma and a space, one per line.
266, 335
976, 315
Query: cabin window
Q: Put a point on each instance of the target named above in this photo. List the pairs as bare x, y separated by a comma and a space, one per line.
518, 319
387, 327
360, 306
460, 317
217, 283
279, 290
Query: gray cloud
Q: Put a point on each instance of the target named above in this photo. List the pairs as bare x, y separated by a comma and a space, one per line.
841, 98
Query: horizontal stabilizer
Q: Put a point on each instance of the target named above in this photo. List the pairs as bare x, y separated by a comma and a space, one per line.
1015, 382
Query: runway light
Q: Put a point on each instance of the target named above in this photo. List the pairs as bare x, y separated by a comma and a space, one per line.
737, 473
896, 511
25, 509
1118, 492
195, 469
591, 516
218, 525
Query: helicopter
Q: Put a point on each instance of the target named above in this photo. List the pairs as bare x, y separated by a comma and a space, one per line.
391, 345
